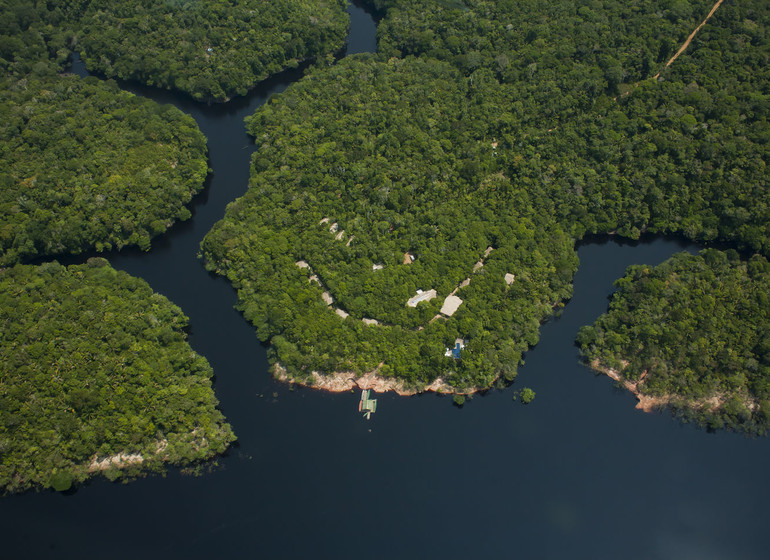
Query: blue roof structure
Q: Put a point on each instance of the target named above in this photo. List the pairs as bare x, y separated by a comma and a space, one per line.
455, 352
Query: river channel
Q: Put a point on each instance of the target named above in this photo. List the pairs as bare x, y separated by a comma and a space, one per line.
578, 473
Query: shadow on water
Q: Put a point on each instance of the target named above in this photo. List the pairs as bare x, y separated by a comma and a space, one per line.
578, 473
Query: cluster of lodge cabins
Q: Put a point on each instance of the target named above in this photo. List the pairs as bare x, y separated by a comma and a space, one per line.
451, 302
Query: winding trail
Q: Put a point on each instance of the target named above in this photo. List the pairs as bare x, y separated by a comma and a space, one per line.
690, 38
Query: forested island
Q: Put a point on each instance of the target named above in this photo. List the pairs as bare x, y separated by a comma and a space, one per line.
430, 197
692, 333
96, 377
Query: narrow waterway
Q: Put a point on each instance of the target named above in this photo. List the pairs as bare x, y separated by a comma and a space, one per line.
578, 473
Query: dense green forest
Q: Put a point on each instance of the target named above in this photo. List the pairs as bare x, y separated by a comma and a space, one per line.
84, 165
578, 49
211, 50
519, 126
94, 368
695, 330
616, 150
32, 38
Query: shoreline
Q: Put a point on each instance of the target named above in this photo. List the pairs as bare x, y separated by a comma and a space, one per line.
343, 381
645, 403
648, 403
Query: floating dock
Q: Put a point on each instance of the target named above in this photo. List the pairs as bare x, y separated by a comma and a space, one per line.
366, 405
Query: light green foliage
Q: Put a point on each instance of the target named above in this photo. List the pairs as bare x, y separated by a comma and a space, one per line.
84, 165
93, 364
696, 328
209, 49
527, 395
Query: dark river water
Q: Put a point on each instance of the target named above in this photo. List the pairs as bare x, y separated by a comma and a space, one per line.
578, 473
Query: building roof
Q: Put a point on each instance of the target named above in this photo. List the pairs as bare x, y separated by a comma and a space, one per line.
421, 296
455, 352
451, 303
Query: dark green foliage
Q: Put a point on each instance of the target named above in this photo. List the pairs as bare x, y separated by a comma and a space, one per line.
517, 125
685, 155
34, 38
699, 326
84, 165
521, 126
565, 51
61, 481
210, 49
94, 364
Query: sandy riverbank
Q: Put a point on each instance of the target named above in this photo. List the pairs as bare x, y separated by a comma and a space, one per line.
118, 461
342, 381
648, 403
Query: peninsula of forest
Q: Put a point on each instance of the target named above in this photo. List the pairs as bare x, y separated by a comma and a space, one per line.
96, 377
693, 334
